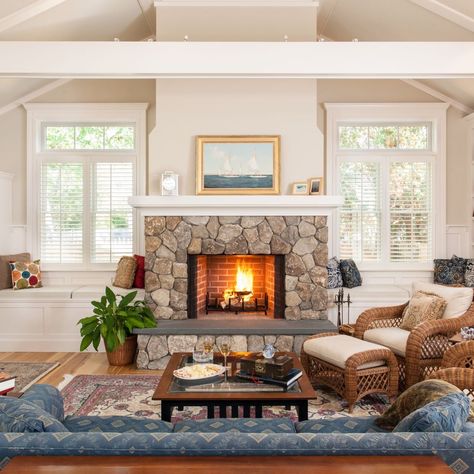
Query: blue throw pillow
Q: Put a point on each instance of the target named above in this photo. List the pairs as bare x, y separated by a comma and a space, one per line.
334, 273
48, 398
450, 271
350, 273
445, 415
21, 416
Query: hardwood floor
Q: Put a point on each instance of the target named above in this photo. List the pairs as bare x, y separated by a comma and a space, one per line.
75, 363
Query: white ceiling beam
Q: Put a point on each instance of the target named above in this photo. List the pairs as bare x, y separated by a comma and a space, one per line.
135, 60
236, 3
27, 13
446, 12
33, 95
439, 95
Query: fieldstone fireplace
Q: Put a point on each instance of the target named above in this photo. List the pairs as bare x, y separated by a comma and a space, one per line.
177, 284
234, 258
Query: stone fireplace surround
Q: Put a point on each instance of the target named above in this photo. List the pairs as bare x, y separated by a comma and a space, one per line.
294, 226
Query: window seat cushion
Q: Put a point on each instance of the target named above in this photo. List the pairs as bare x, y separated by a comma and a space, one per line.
95, 292
46, 292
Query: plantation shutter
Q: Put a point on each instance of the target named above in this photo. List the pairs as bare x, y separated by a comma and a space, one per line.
111, 215
410, 211
360, 216
62, 212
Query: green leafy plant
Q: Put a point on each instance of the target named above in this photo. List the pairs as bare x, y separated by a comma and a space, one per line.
114, 318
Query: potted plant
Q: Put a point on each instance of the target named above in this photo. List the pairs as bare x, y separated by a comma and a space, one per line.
114, 318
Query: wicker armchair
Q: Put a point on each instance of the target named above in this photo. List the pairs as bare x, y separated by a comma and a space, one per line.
426, 344
458, 367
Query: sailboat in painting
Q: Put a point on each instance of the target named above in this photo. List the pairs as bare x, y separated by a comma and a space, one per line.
254, 170
227, 171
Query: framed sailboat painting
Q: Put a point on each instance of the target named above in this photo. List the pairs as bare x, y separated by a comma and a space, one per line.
238, 164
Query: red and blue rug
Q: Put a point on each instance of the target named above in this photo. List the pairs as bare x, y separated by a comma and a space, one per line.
106, 395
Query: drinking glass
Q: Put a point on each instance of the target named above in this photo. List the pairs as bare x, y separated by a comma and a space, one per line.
208, 347
224, 348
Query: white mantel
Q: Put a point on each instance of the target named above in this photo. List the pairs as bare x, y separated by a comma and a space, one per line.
283, 205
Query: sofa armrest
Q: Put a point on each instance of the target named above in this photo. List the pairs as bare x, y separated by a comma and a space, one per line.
389, 316
46, 397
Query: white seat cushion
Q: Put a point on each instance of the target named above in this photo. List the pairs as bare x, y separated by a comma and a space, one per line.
337, 349
393, 338
95, 292
459, 299
46, 293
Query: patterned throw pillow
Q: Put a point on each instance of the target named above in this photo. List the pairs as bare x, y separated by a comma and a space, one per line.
125, 273
413, 398
449, 271
26, 275
350, 273
422, 307
334, 273
5, 270
469, 273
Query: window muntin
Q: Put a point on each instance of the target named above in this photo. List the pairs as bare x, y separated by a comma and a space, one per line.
384, 136
89, 136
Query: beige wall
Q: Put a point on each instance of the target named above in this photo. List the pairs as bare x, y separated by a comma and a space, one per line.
13, 124
458, 164
187, 108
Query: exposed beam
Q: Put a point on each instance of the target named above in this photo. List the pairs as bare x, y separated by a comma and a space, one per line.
439, 95
27, 13
33, 95
390, 60
448, 13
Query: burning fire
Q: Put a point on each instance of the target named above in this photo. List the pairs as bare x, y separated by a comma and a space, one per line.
243, 282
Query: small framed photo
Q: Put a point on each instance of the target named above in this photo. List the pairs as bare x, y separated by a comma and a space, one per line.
300, 187
316, 186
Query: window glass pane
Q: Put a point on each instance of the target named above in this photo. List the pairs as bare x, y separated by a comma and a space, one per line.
119, 138
360, 223
89, 138
410, 212
414, 137
59, 138
112, 217
61, 212
383, 137
353, 137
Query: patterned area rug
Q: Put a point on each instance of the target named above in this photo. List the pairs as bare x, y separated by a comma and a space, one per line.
131, 395
27, 373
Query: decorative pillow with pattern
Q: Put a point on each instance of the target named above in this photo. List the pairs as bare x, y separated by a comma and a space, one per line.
422, 307
449, 271
26, 275
469, 273
334, 273
413, 398
125, 273
350, 273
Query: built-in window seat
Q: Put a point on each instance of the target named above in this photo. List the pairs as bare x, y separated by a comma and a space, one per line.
45, 319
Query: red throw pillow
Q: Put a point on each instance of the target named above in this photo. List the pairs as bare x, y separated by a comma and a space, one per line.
139, 281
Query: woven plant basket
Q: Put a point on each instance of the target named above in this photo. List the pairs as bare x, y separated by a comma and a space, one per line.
124, 354
125, 273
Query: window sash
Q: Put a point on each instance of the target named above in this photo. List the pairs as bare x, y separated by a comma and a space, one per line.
385, 162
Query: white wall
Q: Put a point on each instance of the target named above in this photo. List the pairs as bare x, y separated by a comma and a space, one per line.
187, 108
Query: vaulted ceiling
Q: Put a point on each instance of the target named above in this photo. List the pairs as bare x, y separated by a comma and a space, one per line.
135, 20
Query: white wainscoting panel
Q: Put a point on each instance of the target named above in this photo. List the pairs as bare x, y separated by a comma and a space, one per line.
458, 241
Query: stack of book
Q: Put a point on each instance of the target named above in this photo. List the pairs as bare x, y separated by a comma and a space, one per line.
286, 382
7, 383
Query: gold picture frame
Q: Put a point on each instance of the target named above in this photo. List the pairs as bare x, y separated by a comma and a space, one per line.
316, 186
238, 164
300, 188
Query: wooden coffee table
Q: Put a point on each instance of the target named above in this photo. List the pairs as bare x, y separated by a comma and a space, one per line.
175, 395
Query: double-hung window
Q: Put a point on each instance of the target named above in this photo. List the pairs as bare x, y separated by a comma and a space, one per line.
388, 163
85, 161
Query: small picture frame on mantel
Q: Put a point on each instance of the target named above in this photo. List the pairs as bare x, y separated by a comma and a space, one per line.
316, 186
300, 188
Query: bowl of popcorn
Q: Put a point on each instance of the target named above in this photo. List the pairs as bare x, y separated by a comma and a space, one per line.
467, 332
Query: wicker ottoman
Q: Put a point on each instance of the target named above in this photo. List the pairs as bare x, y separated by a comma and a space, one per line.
352, 367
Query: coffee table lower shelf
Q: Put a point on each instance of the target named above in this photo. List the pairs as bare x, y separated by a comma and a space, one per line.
231, 401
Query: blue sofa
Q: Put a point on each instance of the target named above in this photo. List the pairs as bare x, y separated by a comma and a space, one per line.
52, 434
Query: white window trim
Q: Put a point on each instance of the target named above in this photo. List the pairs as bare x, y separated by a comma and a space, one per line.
41, 113
435, 113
